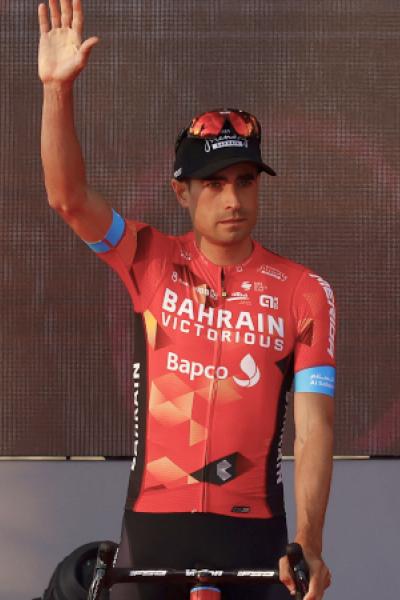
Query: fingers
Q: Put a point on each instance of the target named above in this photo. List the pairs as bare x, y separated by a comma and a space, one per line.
55, 14
43, 16
285, 575
313, 593
329, 579
318, 584
88, 45
319, 581
66, 13
70, 15
77, 16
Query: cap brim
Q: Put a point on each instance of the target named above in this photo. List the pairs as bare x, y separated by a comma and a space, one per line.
218, 165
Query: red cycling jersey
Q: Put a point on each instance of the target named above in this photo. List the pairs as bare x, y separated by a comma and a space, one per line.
216, 350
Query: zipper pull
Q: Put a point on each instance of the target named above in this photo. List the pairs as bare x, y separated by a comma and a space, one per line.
224, 293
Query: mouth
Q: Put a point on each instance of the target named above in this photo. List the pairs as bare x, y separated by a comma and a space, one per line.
232, 221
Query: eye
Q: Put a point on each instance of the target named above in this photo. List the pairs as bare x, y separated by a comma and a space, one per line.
214, 185
246, 181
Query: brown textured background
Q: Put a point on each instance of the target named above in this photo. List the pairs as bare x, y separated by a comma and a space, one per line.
323, 78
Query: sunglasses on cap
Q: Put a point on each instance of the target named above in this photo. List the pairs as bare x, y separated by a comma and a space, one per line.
211, 123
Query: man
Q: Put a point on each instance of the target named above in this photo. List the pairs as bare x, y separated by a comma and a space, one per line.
222, 326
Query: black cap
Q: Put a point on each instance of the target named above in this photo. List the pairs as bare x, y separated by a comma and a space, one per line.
201, 157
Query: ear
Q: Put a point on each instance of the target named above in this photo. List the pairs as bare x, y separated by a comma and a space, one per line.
181, 190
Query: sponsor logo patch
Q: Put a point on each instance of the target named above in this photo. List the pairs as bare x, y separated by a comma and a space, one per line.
272, 272
240, 509
229, 140
238, 296
259, 286
269, 301
249, 368
194, 369
228, 326
332, 312
136, 388
222, 470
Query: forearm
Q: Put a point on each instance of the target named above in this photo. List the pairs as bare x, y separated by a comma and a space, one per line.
63, 164
313, 473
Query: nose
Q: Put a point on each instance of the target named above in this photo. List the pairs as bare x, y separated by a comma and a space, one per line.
231, 199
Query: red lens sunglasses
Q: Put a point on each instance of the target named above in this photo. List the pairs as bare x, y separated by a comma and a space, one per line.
210, 124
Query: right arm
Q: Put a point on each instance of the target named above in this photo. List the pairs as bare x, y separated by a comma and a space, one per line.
62, 56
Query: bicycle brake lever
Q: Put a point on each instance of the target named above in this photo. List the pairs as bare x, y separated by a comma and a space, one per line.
300, 569
105, 557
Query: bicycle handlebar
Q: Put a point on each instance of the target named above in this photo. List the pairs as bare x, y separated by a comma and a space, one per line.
192, 575
106, 575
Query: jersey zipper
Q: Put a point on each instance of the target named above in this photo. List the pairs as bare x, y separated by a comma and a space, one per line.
222, 294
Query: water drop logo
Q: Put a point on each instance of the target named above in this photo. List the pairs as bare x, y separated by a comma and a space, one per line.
249, 368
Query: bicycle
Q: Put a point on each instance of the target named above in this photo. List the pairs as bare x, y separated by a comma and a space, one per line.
205, 580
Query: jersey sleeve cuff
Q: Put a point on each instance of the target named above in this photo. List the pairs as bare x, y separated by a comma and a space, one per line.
112, 237
319, 380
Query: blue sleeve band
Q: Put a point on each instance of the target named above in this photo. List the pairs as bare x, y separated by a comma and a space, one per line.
316, 379
98, 247
112, 237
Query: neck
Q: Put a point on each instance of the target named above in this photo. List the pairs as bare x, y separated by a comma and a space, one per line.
225, 254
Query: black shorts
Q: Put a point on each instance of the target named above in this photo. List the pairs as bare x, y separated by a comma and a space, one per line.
199, 540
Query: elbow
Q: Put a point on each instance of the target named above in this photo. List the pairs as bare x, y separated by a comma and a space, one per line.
59, 206
320, 434
67, 203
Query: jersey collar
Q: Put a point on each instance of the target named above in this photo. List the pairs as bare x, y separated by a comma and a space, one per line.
251, 260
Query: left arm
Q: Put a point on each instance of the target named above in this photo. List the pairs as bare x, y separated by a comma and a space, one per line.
314, 317
313, 452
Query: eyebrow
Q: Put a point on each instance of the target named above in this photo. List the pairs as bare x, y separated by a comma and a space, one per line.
249, 175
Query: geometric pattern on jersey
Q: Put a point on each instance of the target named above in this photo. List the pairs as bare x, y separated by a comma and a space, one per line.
156, 336
179, 412
284, 363
223, 469
306, 329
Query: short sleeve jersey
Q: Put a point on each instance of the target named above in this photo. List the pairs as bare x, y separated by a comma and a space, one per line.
216, 351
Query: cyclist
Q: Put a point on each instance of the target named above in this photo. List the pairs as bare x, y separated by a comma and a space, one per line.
223, 326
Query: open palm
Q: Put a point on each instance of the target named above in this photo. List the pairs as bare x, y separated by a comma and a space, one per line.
62, 55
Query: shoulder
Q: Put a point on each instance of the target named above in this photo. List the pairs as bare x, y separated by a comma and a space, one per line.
285, 268
307, 290
147, 229
164, 245
280, 267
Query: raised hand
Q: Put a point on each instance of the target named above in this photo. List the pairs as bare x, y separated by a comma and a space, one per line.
62, 55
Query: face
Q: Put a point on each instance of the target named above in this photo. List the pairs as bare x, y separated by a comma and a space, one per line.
223, 208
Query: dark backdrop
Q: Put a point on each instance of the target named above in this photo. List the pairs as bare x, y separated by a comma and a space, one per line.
323, 78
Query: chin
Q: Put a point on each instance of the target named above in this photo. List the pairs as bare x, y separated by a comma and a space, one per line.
234, 238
